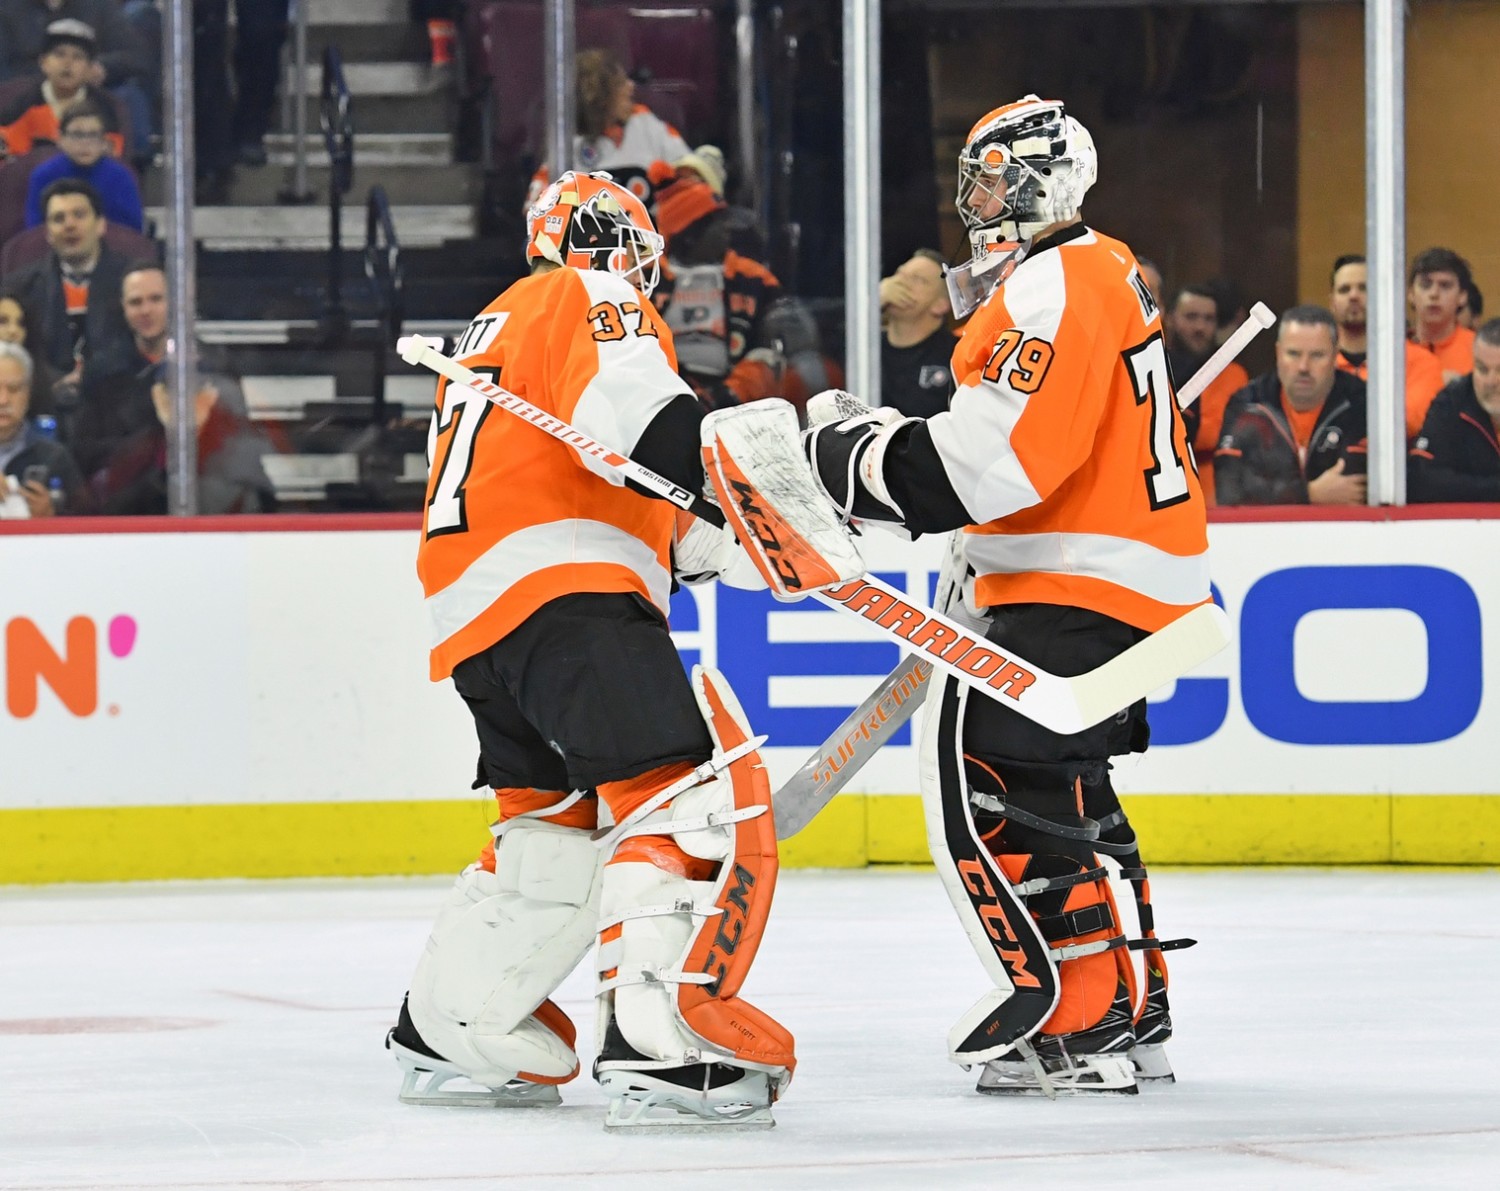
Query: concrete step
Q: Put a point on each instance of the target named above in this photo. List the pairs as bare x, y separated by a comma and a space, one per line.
427, 149
404, 184
284, 396
357, 12
306, 477
278, 332
376, 78
267, 227
428, 112
376, 41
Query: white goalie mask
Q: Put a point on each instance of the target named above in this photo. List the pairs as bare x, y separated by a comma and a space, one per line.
1023, 167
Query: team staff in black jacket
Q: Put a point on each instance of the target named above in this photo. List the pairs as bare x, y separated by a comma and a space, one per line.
1457, 455
1296, 435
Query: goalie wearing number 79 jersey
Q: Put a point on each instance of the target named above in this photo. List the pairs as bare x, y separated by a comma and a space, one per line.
1064, 460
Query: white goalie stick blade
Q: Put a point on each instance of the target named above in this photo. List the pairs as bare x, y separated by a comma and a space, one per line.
853, 743
1161, 658
1065, 705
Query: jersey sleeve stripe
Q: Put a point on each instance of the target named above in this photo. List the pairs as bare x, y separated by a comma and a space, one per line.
487, 579
1136, 566
974, 436
973, 440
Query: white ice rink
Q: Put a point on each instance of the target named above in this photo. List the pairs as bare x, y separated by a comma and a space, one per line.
1335, 1029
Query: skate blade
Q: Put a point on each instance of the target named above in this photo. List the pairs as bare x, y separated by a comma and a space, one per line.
1151, 1064
1088, 1075
666, 1109
425, 1082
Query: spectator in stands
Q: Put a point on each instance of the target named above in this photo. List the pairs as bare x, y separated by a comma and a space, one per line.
1437, 282
85, 154
18, 326
1229, 303
12, 320
231, 478
738, 337
24, 27
117, 387
1151, 274
440, 17
230, 124
71, 328
1457, 455
1350, 305
1191, 327
47, 481
704, 164
1471, 309
615, 133
1297, 434
917, 345
67, 60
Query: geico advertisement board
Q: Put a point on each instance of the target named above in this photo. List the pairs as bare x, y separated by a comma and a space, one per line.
207, 668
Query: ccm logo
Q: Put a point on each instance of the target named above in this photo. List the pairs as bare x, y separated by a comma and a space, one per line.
992, 914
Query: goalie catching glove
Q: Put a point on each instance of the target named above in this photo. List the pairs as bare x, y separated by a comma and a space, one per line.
846, 443
772, 503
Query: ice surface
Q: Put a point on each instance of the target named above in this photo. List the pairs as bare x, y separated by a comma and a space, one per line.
1335, 1029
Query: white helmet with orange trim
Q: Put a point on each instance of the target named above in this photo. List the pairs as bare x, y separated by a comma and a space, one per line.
590, 221
1023, 167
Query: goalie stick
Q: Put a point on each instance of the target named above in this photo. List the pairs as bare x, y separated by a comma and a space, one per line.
870, 725
1065, 705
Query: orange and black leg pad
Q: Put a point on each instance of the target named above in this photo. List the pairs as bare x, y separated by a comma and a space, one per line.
1016, 856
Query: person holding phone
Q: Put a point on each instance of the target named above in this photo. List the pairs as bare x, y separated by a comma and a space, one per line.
41, 479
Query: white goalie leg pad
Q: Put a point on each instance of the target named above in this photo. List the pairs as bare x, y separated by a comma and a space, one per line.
760, 476
502, 943
675, 949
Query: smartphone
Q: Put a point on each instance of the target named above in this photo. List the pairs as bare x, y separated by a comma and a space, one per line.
34, 473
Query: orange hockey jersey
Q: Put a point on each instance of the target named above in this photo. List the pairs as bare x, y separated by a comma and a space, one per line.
515, 518
1065, 443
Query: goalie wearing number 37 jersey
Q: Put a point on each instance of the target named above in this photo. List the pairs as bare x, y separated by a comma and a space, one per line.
1063, 458
546, 583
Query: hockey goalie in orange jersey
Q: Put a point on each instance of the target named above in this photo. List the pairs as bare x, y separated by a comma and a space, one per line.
546, 584
1063, 459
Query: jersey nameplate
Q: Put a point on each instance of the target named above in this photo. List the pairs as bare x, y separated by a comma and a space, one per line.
479, 334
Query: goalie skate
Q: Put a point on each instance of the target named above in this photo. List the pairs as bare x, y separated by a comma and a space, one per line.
1093, 1060
1049, 1070
427, 1076
426, 1080
1152, 1029
712, 1095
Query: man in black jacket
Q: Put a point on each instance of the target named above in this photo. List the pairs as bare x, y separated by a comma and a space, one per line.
75, 289
1296, 435
1457, 455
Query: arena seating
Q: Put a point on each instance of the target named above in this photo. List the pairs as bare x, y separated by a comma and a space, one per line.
674, 42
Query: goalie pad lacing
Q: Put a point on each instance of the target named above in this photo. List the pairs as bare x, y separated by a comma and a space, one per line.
1071, 924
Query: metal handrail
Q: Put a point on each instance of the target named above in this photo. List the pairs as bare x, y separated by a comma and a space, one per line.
335, 114
383, 268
